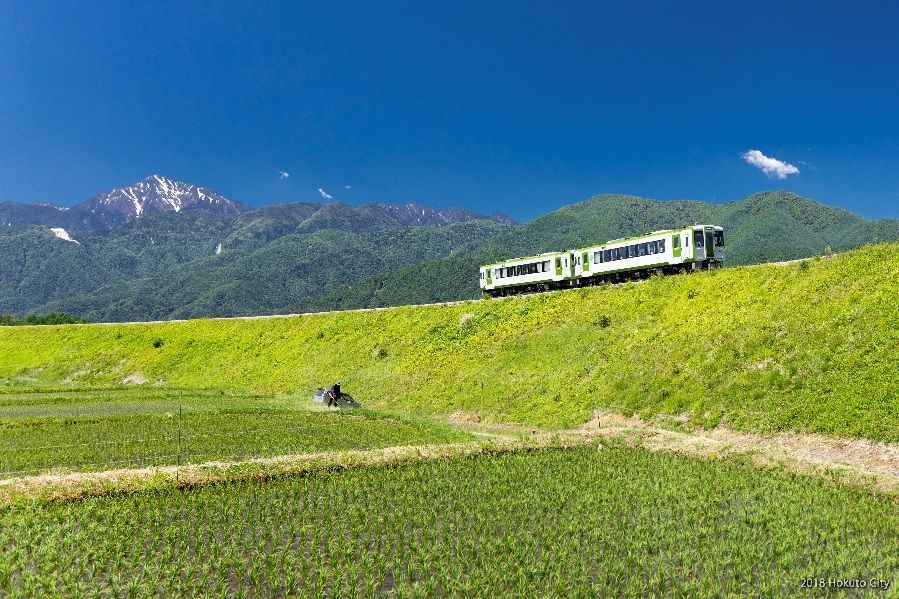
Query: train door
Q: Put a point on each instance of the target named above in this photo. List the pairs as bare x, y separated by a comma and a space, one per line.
709, 243
698, 245
572, 258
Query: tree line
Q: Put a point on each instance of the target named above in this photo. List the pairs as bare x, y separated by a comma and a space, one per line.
51, 318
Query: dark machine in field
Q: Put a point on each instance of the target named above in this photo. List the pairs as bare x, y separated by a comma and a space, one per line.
333, 397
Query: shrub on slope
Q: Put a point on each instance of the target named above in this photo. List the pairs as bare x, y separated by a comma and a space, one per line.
811, 346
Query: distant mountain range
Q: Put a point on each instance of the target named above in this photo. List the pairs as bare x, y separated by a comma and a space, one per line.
158, 195
163, 249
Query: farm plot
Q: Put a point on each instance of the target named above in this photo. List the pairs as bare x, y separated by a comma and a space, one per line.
86, 431
576, 522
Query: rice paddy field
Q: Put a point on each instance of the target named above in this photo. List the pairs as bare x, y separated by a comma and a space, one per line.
592, 521
96, 430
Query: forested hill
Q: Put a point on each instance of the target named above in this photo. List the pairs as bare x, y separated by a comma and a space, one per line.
765, 227
301, 257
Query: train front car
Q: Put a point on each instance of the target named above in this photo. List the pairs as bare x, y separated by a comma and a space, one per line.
708, 246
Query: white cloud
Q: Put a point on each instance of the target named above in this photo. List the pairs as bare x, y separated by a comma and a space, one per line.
348, 187
283, 175
768, 165
325, 194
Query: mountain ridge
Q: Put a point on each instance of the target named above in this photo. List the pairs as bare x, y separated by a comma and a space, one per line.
304, 256
157, 194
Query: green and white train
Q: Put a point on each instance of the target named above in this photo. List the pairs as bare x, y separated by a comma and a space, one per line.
660, 252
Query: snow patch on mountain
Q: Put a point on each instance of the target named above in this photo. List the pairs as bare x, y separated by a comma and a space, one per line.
63, 234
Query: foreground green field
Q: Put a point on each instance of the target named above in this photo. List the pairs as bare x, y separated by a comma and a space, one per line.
809, 346
93, 431
560, 523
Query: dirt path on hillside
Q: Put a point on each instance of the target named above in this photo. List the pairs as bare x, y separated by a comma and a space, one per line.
872, 464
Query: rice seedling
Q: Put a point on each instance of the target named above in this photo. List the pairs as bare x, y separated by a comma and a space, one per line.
558, 523
58, 432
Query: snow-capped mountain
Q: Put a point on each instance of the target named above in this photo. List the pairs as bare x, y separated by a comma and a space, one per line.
159, 195
154, 194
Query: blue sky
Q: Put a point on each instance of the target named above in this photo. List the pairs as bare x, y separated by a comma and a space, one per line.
520, 107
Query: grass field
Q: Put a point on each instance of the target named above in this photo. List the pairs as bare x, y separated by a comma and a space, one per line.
557, 523
101, 430
809, 346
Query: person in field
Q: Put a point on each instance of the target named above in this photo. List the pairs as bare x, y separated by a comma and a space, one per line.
334, 394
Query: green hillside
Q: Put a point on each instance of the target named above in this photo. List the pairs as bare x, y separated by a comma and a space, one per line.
765, 227
811, 346
302, 257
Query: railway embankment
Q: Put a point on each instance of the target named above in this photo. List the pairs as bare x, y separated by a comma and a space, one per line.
809, 347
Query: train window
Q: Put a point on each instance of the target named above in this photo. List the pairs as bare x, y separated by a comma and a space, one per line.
632, 251
606, 254
697, 239
719, 238
641, 249
661, 246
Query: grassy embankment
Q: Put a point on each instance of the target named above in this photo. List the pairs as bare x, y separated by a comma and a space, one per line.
810, 346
